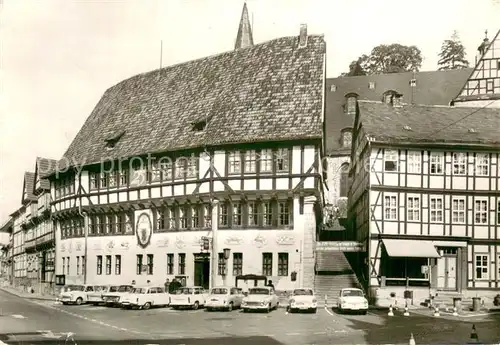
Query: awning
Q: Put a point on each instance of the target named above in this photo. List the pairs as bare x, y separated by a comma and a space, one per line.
410, 248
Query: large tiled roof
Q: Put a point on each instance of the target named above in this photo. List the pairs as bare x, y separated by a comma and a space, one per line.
430, 124
268, 92
29, 185
45, 167
432, 88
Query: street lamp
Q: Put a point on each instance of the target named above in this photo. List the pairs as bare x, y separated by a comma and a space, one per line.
227, 252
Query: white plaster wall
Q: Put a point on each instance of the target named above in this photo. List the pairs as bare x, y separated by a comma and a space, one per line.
333, 177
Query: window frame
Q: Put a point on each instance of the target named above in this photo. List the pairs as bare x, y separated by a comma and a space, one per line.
181, 263
346, 138
266, 161
170, 263
458, 212
118, 265
460, 163
484, 268
482, 164
436, 211
237, 264
414, 166
391, 156
390, 207
139, 263
99, 265
250, 162
108, 265
283, 264
234, 163
436, 163
221, 264
481, 212
267, 264
413, 210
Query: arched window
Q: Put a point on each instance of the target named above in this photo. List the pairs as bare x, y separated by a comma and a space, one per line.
346, 139
351, 102
344, 180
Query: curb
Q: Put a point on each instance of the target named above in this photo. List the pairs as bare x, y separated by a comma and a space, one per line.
29, 297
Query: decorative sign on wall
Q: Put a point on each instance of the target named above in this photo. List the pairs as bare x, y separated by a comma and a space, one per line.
78, 246
63, 247
179, 243
144, 230
70, 247
124, 245
259, 241
233, 240
110, 245
162, 243
285, 240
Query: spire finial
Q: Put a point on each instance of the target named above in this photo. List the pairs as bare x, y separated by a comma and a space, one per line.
244, 38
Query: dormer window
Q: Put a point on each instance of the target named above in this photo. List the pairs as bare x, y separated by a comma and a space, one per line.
392, 98
200, 124
333, 88
346, 139
113, 139
351, 103
371, 85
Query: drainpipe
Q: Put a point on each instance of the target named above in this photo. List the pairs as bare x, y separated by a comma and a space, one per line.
214, 256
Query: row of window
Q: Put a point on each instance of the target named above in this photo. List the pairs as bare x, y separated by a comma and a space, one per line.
436, 209
65, 186
460, 165
165, 169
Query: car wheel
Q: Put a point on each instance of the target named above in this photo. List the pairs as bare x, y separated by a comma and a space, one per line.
245, 310
230, 307
364, 312
146, 306
65, 303
314, 310
209, 309
268, 308
79, 301
196, 305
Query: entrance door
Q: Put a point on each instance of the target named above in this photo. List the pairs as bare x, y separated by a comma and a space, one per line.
202, 270
447, 273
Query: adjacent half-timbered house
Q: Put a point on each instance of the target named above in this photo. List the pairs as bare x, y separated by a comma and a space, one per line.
482, 88
133, 198
425, 200
5, 251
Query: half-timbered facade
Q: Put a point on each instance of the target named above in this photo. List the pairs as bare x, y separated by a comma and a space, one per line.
482, 88
425, 199
5, 251
135, 194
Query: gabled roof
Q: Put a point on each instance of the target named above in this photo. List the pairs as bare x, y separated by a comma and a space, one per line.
269, 92
7, 225
44, 167
422, 124
433, 88
28, 187
487, 68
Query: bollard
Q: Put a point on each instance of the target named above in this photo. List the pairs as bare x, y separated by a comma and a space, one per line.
412, 340
436, 312
406, 313
391, 313
455, 312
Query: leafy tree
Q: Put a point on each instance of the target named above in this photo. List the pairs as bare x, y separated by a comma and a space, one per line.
452, 55
355, 69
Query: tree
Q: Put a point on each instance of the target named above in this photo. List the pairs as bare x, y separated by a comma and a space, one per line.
392, 58
355, 69
452, 55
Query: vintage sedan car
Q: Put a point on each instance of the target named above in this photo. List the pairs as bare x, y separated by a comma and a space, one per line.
189, 297
352, 299
224, 298
75, 294
302, 299
146, 297
97, 296
114, 298
260, 298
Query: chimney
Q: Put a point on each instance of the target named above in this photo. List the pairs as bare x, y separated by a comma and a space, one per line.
303, 36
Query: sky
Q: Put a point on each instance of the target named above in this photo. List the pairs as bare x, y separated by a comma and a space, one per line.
58, 57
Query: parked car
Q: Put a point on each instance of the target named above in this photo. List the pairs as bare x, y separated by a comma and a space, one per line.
351, 299
224, 297
97, 296
114, 298
189, 297
303, 299
75, 294
260, 298
146, 297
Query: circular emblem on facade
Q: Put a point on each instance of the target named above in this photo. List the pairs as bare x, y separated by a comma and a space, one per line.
144, 230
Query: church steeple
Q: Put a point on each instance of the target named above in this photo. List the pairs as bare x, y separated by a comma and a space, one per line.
244, 39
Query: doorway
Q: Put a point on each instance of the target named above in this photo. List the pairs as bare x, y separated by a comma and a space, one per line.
447, 270
202, 270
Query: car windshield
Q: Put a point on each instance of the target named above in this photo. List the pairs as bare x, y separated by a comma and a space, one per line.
302, 292
219, 291
124, 288
184, 291
75, 288
354, 293
258, 291
139, 290
113, 289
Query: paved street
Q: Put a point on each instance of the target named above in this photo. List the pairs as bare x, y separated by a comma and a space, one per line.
45, 322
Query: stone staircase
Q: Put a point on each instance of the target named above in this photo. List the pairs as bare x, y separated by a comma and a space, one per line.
333, 273
445, 299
